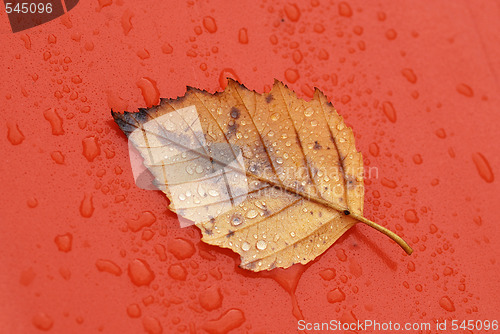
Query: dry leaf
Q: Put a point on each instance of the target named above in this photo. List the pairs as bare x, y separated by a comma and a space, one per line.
273, 177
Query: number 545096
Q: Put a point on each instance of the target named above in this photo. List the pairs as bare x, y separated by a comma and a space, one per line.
28, 7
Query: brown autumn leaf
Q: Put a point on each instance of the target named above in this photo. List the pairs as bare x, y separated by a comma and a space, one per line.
273, 177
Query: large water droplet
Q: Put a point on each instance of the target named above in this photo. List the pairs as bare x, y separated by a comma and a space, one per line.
252, 214
483, 167
261, 244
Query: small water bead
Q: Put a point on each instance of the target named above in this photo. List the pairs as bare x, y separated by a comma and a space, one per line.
245, 246
270, 133
275, 116
213, 192
236, 219
309, 112
279, 161
340, 126
169, 126
314, 122
189, 170
182, 197
188, 193
292, 234
199, 169
252, 214
261, 245
201, 191
261, 205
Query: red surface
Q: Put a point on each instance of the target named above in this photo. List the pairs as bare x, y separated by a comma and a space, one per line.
432, 66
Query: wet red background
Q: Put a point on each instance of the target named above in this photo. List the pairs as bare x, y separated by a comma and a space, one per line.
83, 250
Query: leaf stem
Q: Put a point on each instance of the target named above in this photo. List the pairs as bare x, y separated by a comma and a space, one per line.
385, 231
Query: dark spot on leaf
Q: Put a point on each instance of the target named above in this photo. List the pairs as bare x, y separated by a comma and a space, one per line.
317, 146
235, 113
347, 212
208, 232
230, 234
232, 127
269, 98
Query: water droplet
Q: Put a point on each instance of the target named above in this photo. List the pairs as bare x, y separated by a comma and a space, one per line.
446, 303
87, 206
275, 116
483, 167
227, 73
201, 191
43, 321
417, 159
32, 202
319, 28
335, 296
292, 12
58, 157
389, 111
345, 9
14, 134
236, 219
27, 41
391, 34
177, 272
291, 75
441, 133
243, 36
411, 216
409, 75
108, 266
228, 321
152, 325
140, 273
213, 192
328, 274
167, 49
465, 90
388, 183
91, 148
64, 242
261, 245
374, 149
309, 112
211, 298
182, 197
149, 90
209, 24
252, 214
55, 121
181, 248
145, 219
279, 161
134, 311
245, 246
